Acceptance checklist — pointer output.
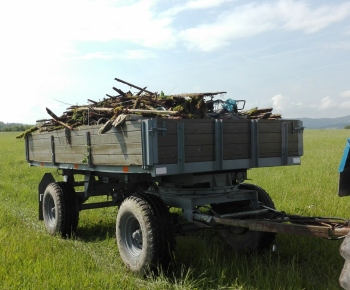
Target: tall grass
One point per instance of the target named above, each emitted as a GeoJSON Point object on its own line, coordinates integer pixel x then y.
{"type": "Point", "coordinates": [31, 259]}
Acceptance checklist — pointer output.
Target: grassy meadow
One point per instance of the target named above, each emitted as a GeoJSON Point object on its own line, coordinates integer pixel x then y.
{"type": "Point", "coordinates": [31, 259]}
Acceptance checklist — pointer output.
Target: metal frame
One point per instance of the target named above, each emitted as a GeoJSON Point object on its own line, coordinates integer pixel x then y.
{"type": "Point", "coordinates": [178, 184]}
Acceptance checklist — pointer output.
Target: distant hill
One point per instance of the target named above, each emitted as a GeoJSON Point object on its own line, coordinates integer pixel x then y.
{"type": "Point", "coordinates": [326, 123]}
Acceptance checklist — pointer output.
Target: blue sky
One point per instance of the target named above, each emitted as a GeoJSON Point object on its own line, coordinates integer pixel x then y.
{"type": "Point", "coordinates": [291, 55]}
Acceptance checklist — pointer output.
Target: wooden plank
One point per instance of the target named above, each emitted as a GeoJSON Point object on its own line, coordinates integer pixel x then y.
{"type": "Point", "coordinates": [276, 137]}
{"type": "Point", "coordinates": [275, 150]}
{"type": "Point", "coordinates": [123, 149]}
{"type": "Point", "coordinates": [125, 138]}
{"type": "Point", "coordinates": [129, 126]}
{"type": "Point", "coordinates": [234, 139]}
{"type": "Point", "coordinates": [269, 127]}
{"type": "Point", "coordinates": [275, 154]}
{"type": "Point", "coordinates": [203, 150]}
{"type": "Point", "coordinates": [132, 149]}
{"type": "Point", "coordinates": [236, 156]}
{"type": "Point", "coordinates": [40, 157]}
{"type": "Point", "coordinates": [167, 140]}
{"type": "Point", "coordinates": [116, 160]}
{"type": "Point", "coordinates": [200, 127]}
{"type": "Point", "coordinates": [167, 160]}
{"type": "Point", "coordinates": [198, 159]}
{"type": "Point", "coordinates": [199, 139]}
{"type": "Point", "coordinates": [270, 147]}
{"type": "Point", "coordinates": [236, 126]}
{"type": "Point", "coordinates": [239, 151]}
{"type": "Point", "coordinates": [190, 140]}
{"type": "Point", "coordinates": [168, 152]}
{"type": "Point", "coordinates": [274, 126]}
{"type": "Point", "coordinates": [270, 138]}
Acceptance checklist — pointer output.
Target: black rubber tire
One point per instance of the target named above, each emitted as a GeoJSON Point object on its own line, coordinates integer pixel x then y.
{"type": "Point", "coordinates": [72, 206]}
{"type": "Point", "coordinates": [137, 233]}
{"type": "Point", "coordinates": [166, 229]}
{"type": "Point", "coordinates": [60, 209]}
{"type": "Point", "coordinates": [241, 239]}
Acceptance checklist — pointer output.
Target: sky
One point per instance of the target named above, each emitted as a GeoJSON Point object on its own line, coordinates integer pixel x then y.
{"type": "Point", "coordinates": [290, 55]}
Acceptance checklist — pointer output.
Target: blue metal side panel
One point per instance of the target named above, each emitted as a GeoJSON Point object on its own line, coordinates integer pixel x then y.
{"type": "Point", "coordinates": [344, 172]}
{"type": "Point", "coordinates": [344, 161]}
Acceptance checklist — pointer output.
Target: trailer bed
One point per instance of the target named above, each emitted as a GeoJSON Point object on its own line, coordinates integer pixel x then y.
{"type": "Point", "coordinates": [170, 146]}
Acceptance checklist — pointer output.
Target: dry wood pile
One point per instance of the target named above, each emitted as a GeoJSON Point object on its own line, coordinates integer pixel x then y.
{"type": "Point", "coordinates": [110, 110]}
{"type": "Point", "coordinates": [257, 113]}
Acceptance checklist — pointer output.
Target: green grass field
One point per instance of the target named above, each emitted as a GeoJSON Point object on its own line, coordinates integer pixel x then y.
{"type": "Point", "coordinates": [31, 259]}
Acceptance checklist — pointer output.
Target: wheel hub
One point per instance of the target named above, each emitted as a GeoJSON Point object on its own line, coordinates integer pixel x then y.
{"type": "Point", "coordinates": [137, 236]}
{"type": "Point", "coordinates": [53, 212]}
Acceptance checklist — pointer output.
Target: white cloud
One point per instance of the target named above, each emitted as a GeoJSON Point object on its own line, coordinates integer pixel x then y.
{"type": "Point", "coordinates": [97, 55]}
{"type": "Point", "coordinates": [298, 15]}
{"type": "Point", "coordinates": [132, 54]}
{"type": "Point", "coordinates": [345, 105]}
{"type": "Point", "coordinates": [51, 26]}
{"type": "Point", "coordinates": [243, 21]}
{"type": "Point", "coordinates": [81, 20]}
{"type": "Point", "coordinates": [342, 45]}
{"type": "Point", "coordinates": [280, 102]}
{"type": "Point", "coordinates": [347, 30]}
{"type": "Point", "coordinates": [327, 103]}
{"type": "Point", "coordinates": [345, 94]}
{"type": "Point", "coordinates": [137, 54]}
{"type": "Point", "coordinates": [195, 5]}
{"type": "Point", "coordinates": [256, 18]}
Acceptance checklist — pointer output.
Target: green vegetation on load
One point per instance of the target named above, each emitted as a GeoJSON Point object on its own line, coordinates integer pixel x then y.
{"type": "Point", "coordinates": [31, 259]}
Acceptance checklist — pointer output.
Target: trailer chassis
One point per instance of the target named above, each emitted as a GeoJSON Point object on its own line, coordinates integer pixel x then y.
{"type": "Point", "coordinates": [194, 202]}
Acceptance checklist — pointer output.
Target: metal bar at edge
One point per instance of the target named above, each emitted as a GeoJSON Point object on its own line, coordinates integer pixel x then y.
{"type": "Point", "coordinates": [26, 139]}
{"type": "Point", "coordinates": [53, 156]}
{"type": "Point", "coordinates": [284, 149]}
{"type": "Point", "coordinates": [181, 146]}
{"type": "Point", "coordinates": [218, 131]}
{"type": "Point", "coordinates": [254, 139]}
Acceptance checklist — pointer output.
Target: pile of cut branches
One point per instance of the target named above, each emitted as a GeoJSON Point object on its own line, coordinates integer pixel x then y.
{"type": "Point", "coordinates": [265, 113]}
{"type": "Point", "coordinates": [143, 102]}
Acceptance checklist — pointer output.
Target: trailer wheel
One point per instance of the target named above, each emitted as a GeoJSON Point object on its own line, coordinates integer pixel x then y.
{"type": "Point", "coordinates": [60, 209]}
{"type": "Point", "coordinates": [242, 239]}
{"type": "Point", "coordinates": [138, 237]}
{"type": "Point", "coordinates": [166, 229]}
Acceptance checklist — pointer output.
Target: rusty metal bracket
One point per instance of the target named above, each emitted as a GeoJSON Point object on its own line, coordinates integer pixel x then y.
{"type": "Point", "coordinates": [67, 134]}
{"type": "Point", "coordinates": [88, 149]}
{"type": "Point", "coordinates": [297, 129]}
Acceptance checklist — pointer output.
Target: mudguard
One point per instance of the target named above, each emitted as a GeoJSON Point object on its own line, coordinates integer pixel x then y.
{"type": "Point", "coordinates": [344, 172]}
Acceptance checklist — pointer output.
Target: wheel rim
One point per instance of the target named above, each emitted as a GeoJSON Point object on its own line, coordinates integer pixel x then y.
{"type": "Point", "coordinates": [132, 235]}
{"type": "Point", "coordinates": [50, 210]}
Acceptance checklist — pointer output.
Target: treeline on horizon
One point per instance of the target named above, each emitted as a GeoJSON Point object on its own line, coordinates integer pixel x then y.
{"type": "Point", "coordinates": [14, 127]}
